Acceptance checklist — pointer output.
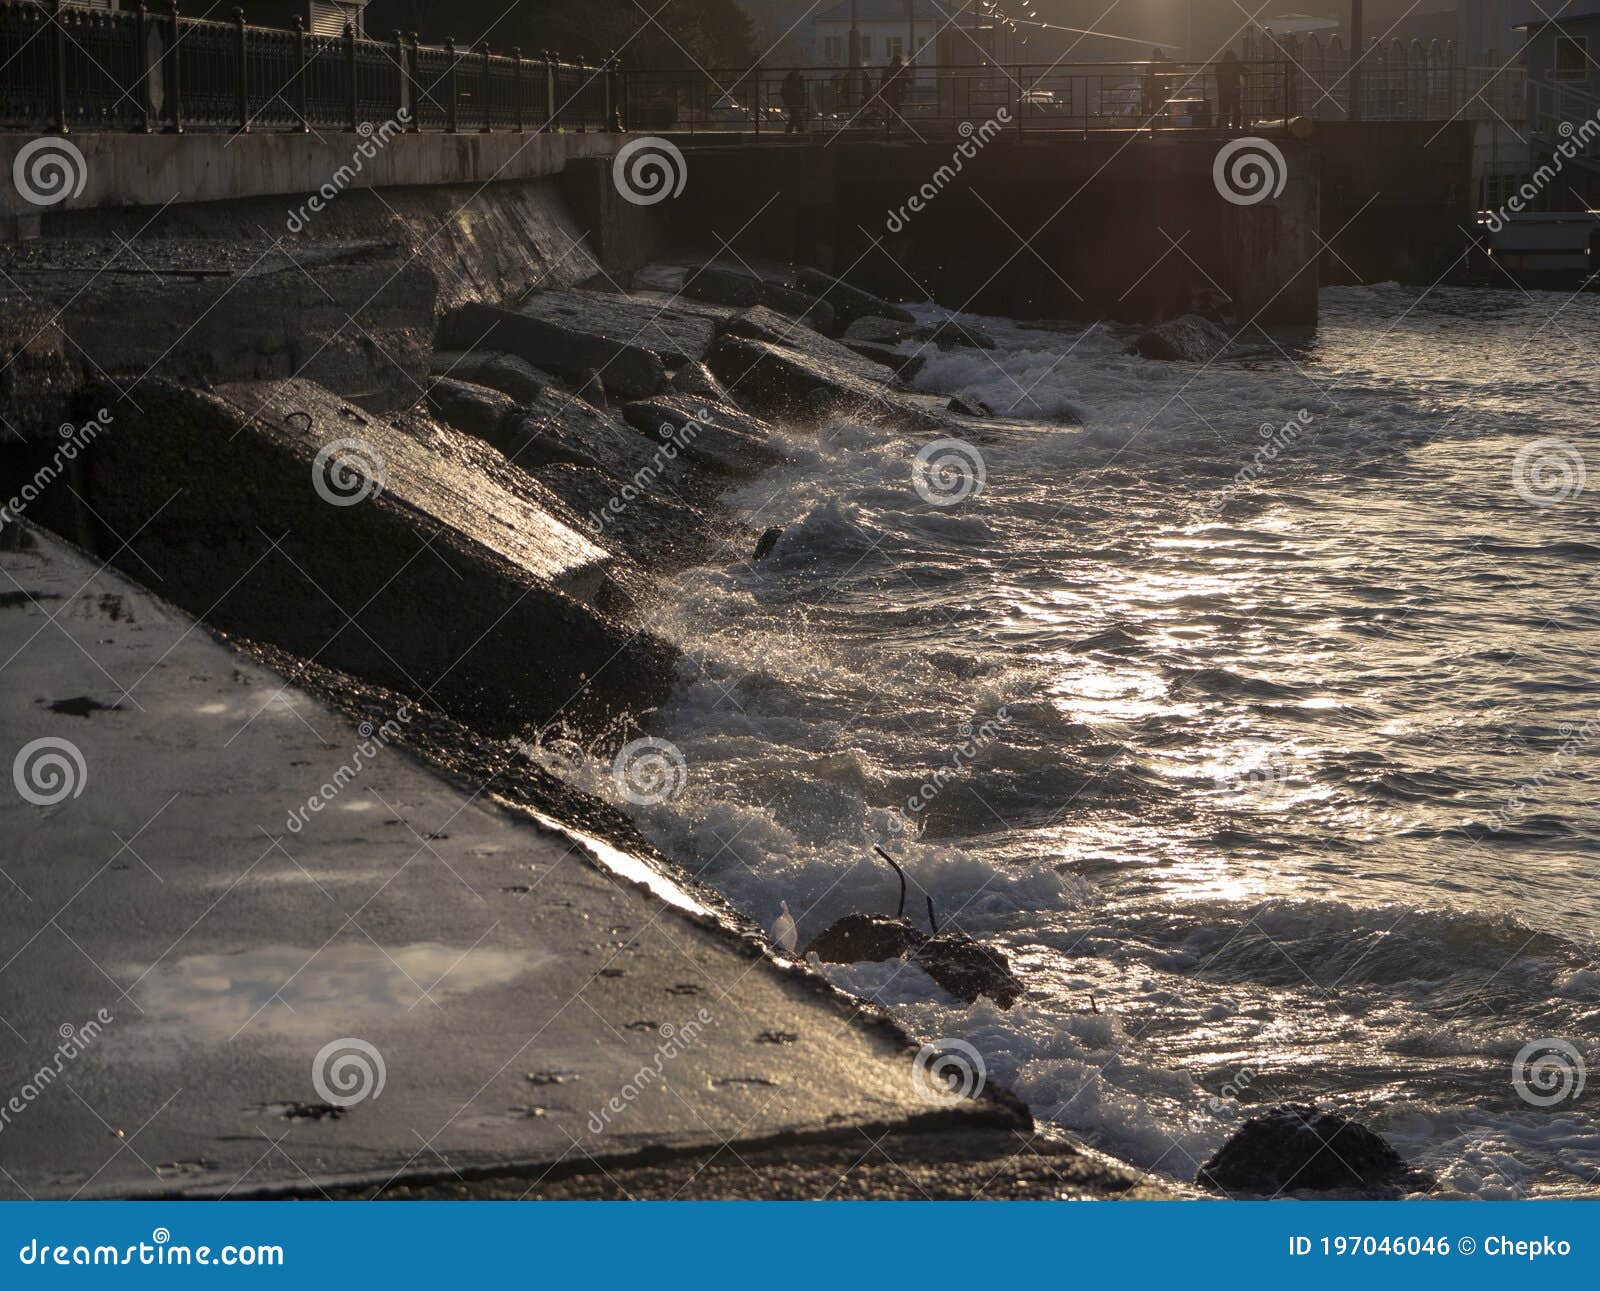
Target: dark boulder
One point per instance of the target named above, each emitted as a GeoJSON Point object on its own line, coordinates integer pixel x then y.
{"type": "Point", "coordinates": [474, 409]}
{"type": "Point", "coordinates": [849, 303]}
{"type": "Point", "coordinates": [722, 287]}
{"type": "Point", "coordinates": [650, 525]}
{"type": "Point", "coordinates": [1191, 339]}
{"type": "Point", "coordinates": [503, 372]}
{"type": "Point", "coordinates": [967, 969]}
{"type": "Point", "coordinates": [879, 331]}
{"type": "Point", "coordinates": [967, 406]}
{"type": "Point", "coordinates": [779, 381]}
{"type": "Point", "coordinates": [630, 371]}
{"type": "Point", "coordinates": [767, 541]}
{"type": "Point", "coordinates": [814, 313]}
{"type": "Point", "coordinates": [696, 379]}
{"type": "Point", "coordinates": [710, 434]}
{"type": "Point", "coordinates": [677, 335]}
{"type": "Point", "coordinates": [1295, 1148]}
{"type": "Point", "coordinates": [906, 366]}
{"type": "Point", "coordinates": [557, 427]}
{"type": "Point", "coordinates": [859, 938]}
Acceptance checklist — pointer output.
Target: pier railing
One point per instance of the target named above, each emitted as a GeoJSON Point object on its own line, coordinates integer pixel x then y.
{"type": "Point", "coordinates": [69, 67]}
{"type": "Point", "coordinates": [940, 100]}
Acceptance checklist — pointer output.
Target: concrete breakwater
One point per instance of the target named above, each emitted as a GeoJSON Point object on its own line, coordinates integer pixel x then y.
{"type": "Point", "coordinates": [411, 497]}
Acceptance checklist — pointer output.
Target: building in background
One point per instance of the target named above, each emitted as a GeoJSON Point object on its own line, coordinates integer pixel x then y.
{"type": "Point", "coordinates": [321, 17]}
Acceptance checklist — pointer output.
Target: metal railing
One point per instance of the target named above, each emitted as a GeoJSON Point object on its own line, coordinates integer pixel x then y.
{"type": "Point", "coordinates": [67, 67]}
{"type": "Point", "coordinates": [1391, 81]}
{"type": "Point", "coordinates": [927, 101]}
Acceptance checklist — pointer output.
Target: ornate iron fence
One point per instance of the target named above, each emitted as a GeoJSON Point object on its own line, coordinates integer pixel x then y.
{"type": "Point", "coordinates": [67, 67]}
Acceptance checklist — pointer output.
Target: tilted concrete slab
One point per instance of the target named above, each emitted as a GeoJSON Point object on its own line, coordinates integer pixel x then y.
{"type": "Point", "coordinates": [523, 1003]}
{"type": "Point", "coordinates": [394, 549]}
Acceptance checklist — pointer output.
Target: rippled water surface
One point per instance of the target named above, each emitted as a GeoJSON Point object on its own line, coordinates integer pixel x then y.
{"type": "Point", "coordinates": [1292, 769]}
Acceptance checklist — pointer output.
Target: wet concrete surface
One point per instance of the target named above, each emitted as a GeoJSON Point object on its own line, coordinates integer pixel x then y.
{"type": "Point", "coordinates": [248, 945]}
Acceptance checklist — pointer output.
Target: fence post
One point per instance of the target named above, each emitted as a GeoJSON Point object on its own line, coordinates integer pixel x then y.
{"type": "Point", "coordinates": [143, 29]}
{"type": "Point", "coordinates": [402, 98]}
{"type": "Point", "coordinates": [1017, 81]}
{"type": "Point", "coordinates": [243, 69]}
{"type": "Point", "coordinates": [755, 94]}
{"type": "Point", "coordinates": [550, 90]}
{"type": "Point", "coordinates": [175, 63]}
{"type": "Point", "coordinates": [58, 67]}
{"type": "Point", "coordinates": [350, 72]}
{"type": "Point", "coordinates": [610, 109]}
{"type": "Point", "coordinates": [451, 121]}
{"type": "Point", "coordinates": [302, 95]}
{"type": "Point", "coordinates": [619, 114]}
{"type": "Point", "coordinates": [488, 120]}
{"type": "Point", "coordinates": [516, 86]}
{"type": "Point", "coordinates": [416, 79]}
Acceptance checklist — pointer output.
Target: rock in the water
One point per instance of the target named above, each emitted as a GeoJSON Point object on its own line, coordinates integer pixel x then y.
{"type": "Point", "coordinates": [879, 331]}
{"type": "Point", "coordinates": [649, 525]}
{"type": "Point", "coordinates": [967, 406]}
{"type": "Point", "coordinates": [779, 381]}
{"type": "Point", "coordinates": [767, 541]}
{"type": "Point", "coordinates": [906, 366]}
{"type": "Point", "coordinates": [1295, 1148]}
{"type": "Point", "coordinates": [814, 313]}
{"type": "Point", "coordinates": [865, 937]}
{"type": "Point", "coordinates": [708, 433]}
{"type": "Point", "coordinates": [722, 286]}
{"type": "Point", "coordinates": [953, 333]}
{"type": "Point", "coordinates": [503, 372]}
{"type": "Point", "coordinates": [556, 427]}
{"type": "Point", "coordinates": [849, 303]}
{"type": "Point", "coordinates": [696, 379]}
{"type": "Point", "coordinates": [1190, 338]}
{"type": "Point", "coordinates": [630, 371]}
{"type": "Point", "coordinates": [967, 968]}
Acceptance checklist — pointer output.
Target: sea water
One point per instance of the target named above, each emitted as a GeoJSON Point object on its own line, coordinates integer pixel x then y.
{"type": "Point", "coordinates": [1249, 707]}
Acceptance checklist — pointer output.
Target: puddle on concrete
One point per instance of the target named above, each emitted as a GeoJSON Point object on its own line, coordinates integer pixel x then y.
{"type": "Point", "coordinates": [301, 991]}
